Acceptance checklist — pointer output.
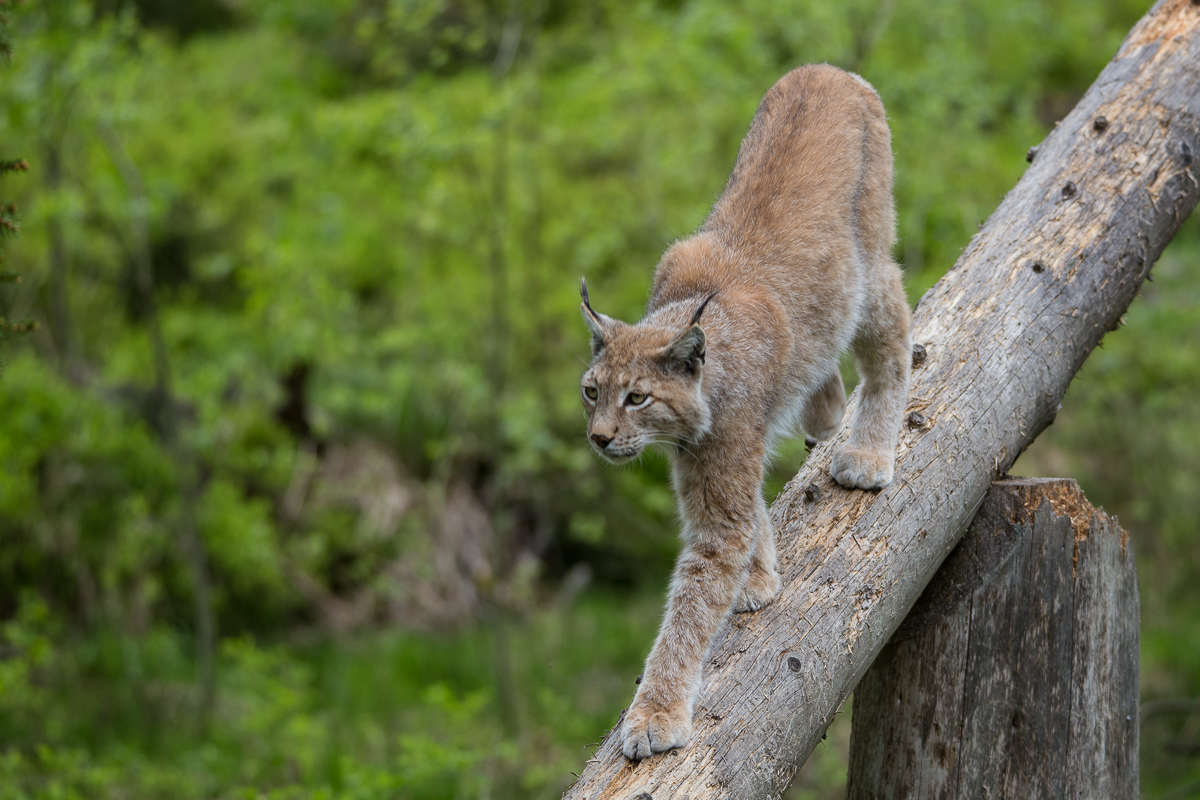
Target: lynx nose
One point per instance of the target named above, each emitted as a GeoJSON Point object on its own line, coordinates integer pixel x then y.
{"type": "Point", "coordinates": [601, 440]}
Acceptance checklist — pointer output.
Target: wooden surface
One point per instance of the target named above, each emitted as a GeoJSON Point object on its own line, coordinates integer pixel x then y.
{"type": "Point", "coordinates": [1005, 330]}
{"type": "Point", "coordinates": [1016, 674]}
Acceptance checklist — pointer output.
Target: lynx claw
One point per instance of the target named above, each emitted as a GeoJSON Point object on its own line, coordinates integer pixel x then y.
{"type": "Point", "coordinates": [861, 469]}
{"type": "Point", "coordinates": [646, 731]}
{"type": "Point", "coordinates": [761, 588]}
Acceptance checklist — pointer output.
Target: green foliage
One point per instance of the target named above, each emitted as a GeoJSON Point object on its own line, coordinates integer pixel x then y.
{"type": "Point", "coordinates": [397, 715]}
{"type": "Point", "coordinates": [365, 222]}
{"type": "Point", "coordinates": [8, 210]}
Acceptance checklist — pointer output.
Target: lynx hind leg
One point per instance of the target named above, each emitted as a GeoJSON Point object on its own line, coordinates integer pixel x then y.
{"type": "Point", "coordinates": [823, 411]}
{"type": "Point", "coordinates": [883, 353]}
{"type": "Point", "coordinates": [762, 577]}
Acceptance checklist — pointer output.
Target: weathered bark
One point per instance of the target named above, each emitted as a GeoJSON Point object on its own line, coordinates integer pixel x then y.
{"type": "Point", "coordinates": [1016, 673]}
{"type": "Point", "coordinates": [1005, 330]}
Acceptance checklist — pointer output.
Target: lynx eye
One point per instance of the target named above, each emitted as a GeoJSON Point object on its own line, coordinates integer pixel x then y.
{"type": "Point", "coordinates": [590, 392]}
{"type": "Point", "coordinates": [635, 398]}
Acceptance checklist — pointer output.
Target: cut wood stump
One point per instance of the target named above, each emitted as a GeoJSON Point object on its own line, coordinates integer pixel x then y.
{"type": "Point", "coordinates": [1016, 673]}
{"type": "Point", "coordinates": [1002, 335]}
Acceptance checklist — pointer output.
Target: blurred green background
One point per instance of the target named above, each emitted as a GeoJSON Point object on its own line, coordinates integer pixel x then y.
{"type": "Point", "coordinates": [294, 495]}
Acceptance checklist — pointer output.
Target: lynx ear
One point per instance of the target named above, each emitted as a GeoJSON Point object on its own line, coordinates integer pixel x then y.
{"type": "Point", "coordinates": [688, 349]}
{"type": "Point", "coordinates": [597, 323]}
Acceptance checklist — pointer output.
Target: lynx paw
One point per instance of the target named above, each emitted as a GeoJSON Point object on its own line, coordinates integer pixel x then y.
{"type": "Point", "coordinates": [861, 469]}
{"type": "Point", "coordinates": [647, 731]}
{"type": "Point", "coordinates": [758, 592]}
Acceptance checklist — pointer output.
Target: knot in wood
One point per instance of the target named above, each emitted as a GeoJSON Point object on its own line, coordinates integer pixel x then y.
{"type": "Point", "coordinates": [919, 355]}
{"type": "Point", "coordinates": [812, 493]}
{"type": "Point", "coordinates": [793, 663]}
{"type": "Point", "coordinates": [1030, 154]}
{"type": "Point", "coordinates": [1100, 124]}
{"type": "Point", "coordinates": [915, 420]}
{"type": "Point", "coordinates": [1069, 190]}
{"type": "Point", "coordinates": [643, 796]}
{"type": "Point", "coordinates": [1037, 266]}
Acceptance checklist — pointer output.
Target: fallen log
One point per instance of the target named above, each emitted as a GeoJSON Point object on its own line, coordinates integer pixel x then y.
{"type": "Point", "coordinates": [998, 340]}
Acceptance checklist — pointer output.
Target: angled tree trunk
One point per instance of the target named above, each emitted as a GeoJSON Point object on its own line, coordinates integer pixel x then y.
{"type": "Point", "coordinates": [1000, 337]}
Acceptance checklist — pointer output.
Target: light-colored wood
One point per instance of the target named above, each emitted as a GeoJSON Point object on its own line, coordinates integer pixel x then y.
{"type": "Point", "coordinates": [1005, 330]}
{"type": "Point", "coordinates": [1016, 673]}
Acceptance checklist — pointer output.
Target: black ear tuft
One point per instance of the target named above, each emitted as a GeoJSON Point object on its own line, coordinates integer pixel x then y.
{"type": "Point", "coordinates": [598, 324]}
{"type": "Point", "coordinates": [699, 311]}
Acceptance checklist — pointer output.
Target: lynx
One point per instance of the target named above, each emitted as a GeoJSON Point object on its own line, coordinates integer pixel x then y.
{"type": "Point", "coordinates": [740, 343]}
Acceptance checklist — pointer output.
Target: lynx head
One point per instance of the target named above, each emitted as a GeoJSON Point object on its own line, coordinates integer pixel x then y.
{"type": "Point", "coordinates": [643, 386]}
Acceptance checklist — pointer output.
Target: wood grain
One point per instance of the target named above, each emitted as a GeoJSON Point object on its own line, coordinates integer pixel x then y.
{"type": "Point", "coordinates": [1005, 330]}
{"type": "Point", "coordinates": [1016, 675]}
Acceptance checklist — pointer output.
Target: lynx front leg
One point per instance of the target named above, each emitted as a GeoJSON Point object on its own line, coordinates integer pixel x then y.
{"type": "Point", "coordinates": [762, 578]}
{"type": "Point", "coordinates": [702, 589]}
{"type": "Point", "coordinates": [881, 347]}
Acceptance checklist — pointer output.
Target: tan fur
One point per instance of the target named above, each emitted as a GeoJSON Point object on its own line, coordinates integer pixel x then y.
{"type": "Point", "coordinates": [797, 253]}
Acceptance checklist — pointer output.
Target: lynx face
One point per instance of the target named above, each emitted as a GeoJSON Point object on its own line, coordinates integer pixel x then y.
{"type": "Point", "coordinates": [643, 386]}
